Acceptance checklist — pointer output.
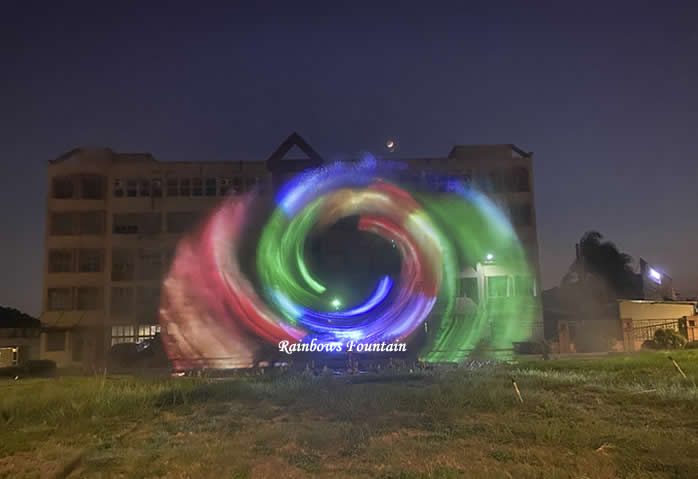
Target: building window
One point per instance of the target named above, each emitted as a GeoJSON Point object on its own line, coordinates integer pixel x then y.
{"type": "Point", "coordinates": [150, 223]}
{"type": "Point", "coordinates": [62, 224]}
{"type": "Point", "coordinates": [440, 184]}
{"type": "Point", "coordinates": [157, 188]}
{"type": "Point", "coordinates": [210, 187]}
{"type": "Point", "coordinates": [123, 265]}
{"type": "Point", "coordinates": [137, 223]}
{"type": "Point", "coordinates": [468, 289]}
{"type": "Point", "coordinates": [496, 286]}
{"type": "Point", "coordinates": [127, 333]}
{"type": "Point", "coordinates": [60, 261]}
{"type": "Point", "coordinates": [181, 221]}
{"type": "Point", "coordinates": [521, 180]}
{"type": "Point", "coordinates": [524, 286]}
{"type": "Point", "coordinates": [60, 299]}
{"type": "Point", "coordinates": [78, 346]}
{"type": "Point", "coordinates": [92, 187]}
{"type": "Point", "coordinates": [131, 188]}
{"type": "Point", "coordinates": [496, 182]}
{"type": "Point", "coordinates": [118, 188]}
{"type": "Point", "coordinates": [150, 265]}
{"type": "Point", "coordinates": [55, 341]}
{"type": "Point", "coordinates": [89, 299]}
{"type": "Point", "coordinates": [419, 179]}
{"type": "Point", "coordinates": [196, 187]}
{"type": "Point", "coordinates": [122, 334]}
{"type": "Point", "coordinates": [433, 182]}
{"type": "Point", "coordinates": [144, 187]}
{"type": "Point", "coordinates": [125, 224]}
{"type": "Point", "coordinates": [147, 331]}
{"type": "Point", "coordinates": [225, 186]}
{"type": "Point", "coordinates": [63, 188]}
{"type": "Point", "coordinates": [122, 300]}
{"type": "Point", "coordinates": [169, 256]}
{"type": "Point", "coordinates": [184, 187]}
{"type": "Point", "coordinates": [261, 184]}
{"type": "Point", "coordinates": [521, 214]}
{"type": "Point", "coordinates": [90, 260]}
{"type": "Point", "coordinates": [91, 223]}
{"type": "Point", "coordinates": [172, 187]}
{"type": "Point", "coordinates": [149, 302]}
{"type": "Point", "coordinates": [237, 185]}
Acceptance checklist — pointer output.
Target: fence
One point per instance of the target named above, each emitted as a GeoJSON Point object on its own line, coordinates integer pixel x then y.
{"type": "Point", "coordinates": [648, 327]}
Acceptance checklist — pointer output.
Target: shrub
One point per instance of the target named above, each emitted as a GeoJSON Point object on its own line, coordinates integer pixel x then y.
{"type": "Point", "coordinates": [123, 355]}
{"type": "Point", "coordinates": [39, 367]}
{"type": "Point", "coordinates": [529, 347]}
{"type": "Point", "coordinates": [691, 345]}
{"type": "Point", "coordinates": [669, 339]}
{"type": "Point", "coordinates": [35, 367]}
{"type": "Point", "coordinates": [10, 371]}
{"type": "Point", "coordinates": [481, 350]}
{"type": "Point", "coordinates": [650, 344]}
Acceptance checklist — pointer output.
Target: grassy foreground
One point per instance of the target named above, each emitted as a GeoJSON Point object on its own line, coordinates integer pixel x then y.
{"type": "Point", "coordinates": [631, 416]}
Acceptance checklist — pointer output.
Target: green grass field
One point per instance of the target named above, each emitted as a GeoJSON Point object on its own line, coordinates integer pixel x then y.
{"type": "Point", "coordinates": [629, 416]}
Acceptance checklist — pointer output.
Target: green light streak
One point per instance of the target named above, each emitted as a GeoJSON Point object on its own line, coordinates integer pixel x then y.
{"type": "Point", "coordinates": [467, 233]}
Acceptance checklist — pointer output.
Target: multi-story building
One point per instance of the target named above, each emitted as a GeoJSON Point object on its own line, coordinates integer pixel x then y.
{"type": "Point", "coordinates": [113, 222]}
{"type": "Point", "coordinates": [504, 174]}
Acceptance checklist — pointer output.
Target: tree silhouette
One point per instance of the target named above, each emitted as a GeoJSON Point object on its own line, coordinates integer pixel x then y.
{"type": "Point", "coordinates": [13, 318]}
{"type": "Point", "coordinates": [602, 268]}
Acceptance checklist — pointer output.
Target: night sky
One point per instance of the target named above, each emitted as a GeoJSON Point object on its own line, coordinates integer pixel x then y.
{"type": "Point", "coordinates": [605, 95]}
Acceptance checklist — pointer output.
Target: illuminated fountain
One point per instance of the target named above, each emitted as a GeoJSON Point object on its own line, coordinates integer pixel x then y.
{"type": "Point", "coordinates": [228, 305]}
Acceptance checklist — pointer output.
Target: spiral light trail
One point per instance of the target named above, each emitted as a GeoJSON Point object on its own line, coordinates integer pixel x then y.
{"type": "Point", "coordinates": [215, 314]}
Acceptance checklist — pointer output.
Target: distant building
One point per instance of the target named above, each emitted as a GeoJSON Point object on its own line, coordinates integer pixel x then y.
{"type": "Point", "coordinates": [18, 345]}
{"type": "Point", "coordinates": [655, 284]}
{"type": "Point", "coordinates": [113, 221]}
{"type": "Point", "coordinates": [581, 320]}
{"type": "Point", "coordinates": [640, 319]}
{"type": "Point", "coordinates": [19, 337]}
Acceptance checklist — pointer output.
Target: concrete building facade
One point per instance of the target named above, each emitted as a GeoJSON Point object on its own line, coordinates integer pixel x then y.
{"type": "Point", "coordinates": [505, 174]}
{"type": "Point", "coordinates": [113, 221]}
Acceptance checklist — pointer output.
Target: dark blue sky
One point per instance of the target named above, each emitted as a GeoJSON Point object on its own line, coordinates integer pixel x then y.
{"type": "Point", "coordinates": [605, 95]}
